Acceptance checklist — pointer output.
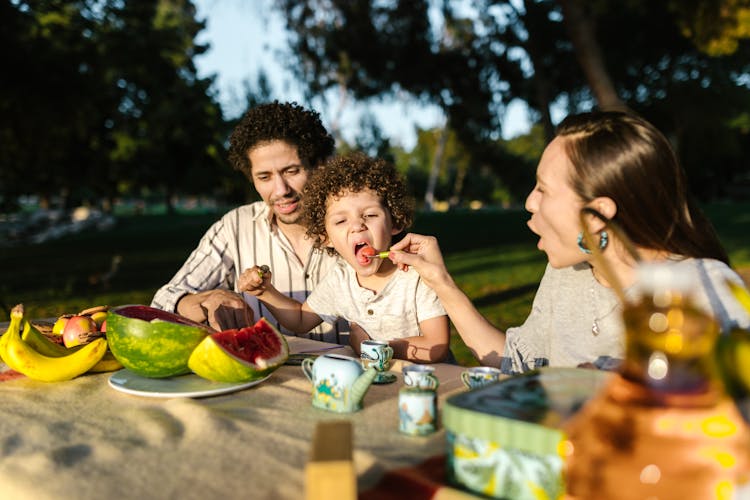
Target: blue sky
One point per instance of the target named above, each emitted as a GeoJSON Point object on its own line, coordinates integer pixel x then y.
{"type": "Point", "coordinates": [247, 35]}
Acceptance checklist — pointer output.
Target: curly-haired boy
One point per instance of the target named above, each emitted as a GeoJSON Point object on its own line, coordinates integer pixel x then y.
{"type": "Point", "coordinates": [353, 206]}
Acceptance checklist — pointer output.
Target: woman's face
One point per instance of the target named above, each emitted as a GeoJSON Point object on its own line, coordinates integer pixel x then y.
{"type": "Point", "coordinates": [554, 208]}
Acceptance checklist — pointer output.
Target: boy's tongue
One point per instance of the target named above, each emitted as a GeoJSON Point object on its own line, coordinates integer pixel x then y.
{"type": "Point", "coordinates": [364, 253]}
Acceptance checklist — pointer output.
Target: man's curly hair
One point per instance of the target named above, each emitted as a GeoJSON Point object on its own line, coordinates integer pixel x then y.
{"type": "Point", "coordinates": [354, 173]}
{"type": "Point", "coordinates": [277, 121]}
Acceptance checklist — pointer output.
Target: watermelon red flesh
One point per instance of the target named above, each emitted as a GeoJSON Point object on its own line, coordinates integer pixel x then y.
{"type": "Point", "coordinates": [255, 344]}
{"type": "Point", "coordinates": [240, 355]}
{"type": "Point", "coordinates": [365, 254]}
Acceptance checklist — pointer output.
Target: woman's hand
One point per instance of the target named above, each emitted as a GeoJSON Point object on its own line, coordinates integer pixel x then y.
{"type": "Point", "coordinates": [254, 280]}
{"type": "Point", "coordinates": [424, 255]}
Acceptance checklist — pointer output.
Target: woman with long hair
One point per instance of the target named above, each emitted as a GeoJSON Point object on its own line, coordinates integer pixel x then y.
{"type": "Point", "coordinates": [622, 169]}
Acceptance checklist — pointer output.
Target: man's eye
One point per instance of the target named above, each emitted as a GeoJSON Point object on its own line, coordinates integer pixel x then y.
{"type": "Point", "coordinates": [292, 171]}
{"type": "Point", "coordinates": [262, 178]}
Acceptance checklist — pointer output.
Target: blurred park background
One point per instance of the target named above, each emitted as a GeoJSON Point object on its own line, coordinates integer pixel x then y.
{"type": "Point", "coordinates": [113, 151]}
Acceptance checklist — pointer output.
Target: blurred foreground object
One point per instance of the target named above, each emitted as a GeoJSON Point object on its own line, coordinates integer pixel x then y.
{"type": "Point", "coordinates": [665, 426]}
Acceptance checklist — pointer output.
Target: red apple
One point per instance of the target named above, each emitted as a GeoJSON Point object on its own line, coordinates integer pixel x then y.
{"type": "Point", "coordinates": [76, 329]}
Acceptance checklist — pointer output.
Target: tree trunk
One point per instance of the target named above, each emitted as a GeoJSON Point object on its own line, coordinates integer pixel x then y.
{"type": "Point", "coordinates": [437, 162]}
{"type": "Point", "coordinates": [541, 82]}
{"type": "Point", "coordinates": [458, 186]}
{"type": "Point", "coordinates": [582, 34]}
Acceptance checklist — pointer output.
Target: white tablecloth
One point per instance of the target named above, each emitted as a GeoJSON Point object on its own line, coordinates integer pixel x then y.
{"type": "Point", "coordinates": [82, 439]}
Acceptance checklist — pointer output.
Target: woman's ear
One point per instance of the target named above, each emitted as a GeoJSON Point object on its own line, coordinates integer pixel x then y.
{"type": "Point", "coordinates": [605, 206]}
{"type": "Point", "coordinates": [396, 230]}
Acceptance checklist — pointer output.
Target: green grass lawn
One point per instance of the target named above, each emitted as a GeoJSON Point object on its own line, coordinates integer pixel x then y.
{"type": "Point", "coordinates": [491, 254]}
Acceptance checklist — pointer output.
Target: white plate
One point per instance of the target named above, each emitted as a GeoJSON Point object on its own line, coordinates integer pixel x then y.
{"type": "Point", "coordinates": [184, 386]}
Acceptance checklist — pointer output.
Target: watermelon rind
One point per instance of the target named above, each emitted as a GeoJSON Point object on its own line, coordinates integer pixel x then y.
{"type": "Point", "coordinates": [211, 361]}
{"type": "Point", "coordinates": [154, 348]}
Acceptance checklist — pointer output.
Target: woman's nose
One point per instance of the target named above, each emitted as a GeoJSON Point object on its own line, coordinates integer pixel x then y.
{"type": "Point", "coordinates": [531, 202]}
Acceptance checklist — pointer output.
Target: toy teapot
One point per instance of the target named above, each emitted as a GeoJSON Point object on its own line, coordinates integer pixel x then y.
{"type": "Point", "coordinates": [339, 382]}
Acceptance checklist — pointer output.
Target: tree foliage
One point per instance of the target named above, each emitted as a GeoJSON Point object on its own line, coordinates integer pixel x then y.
{"type": "Point", "coordinates": [683, 65]}
{"type": "Point", "coordinates": [100, 98]}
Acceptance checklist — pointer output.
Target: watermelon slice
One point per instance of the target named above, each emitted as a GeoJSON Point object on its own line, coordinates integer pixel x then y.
{"type": "Point", "coordinates": [240, 355]}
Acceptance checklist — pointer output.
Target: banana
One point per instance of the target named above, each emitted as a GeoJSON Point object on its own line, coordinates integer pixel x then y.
{"type": "Point", "coordinates": [23, 358]}
{"type": "Point", "coordinates": [16, 316]}
{"type": "Point", "coordinates": [107, 364]}
{"type": "Point", "coordinates": [36, 339]}
{"type": "Point", "coordinates": [93, 310]}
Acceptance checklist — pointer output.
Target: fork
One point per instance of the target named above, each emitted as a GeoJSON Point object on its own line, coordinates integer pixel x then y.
{"type": "Point", "coordinates": [379, 255]}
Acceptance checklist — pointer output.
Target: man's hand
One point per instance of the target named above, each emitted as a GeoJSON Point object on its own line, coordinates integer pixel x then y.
{"type": "Point", "coordinates": [222, 309]}
{"type": "Point", "coordinates": [254, 280]}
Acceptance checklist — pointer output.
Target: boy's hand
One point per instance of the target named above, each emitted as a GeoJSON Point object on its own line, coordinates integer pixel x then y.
{"type": "Point", "coordinates": [356, 335]}
{"type": "Point", "coordinates": [255, 280]}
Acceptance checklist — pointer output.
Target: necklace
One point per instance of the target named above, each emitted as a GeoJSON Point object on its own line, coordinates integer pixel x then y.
{"type": "Point", "coordinates": [595, 330]}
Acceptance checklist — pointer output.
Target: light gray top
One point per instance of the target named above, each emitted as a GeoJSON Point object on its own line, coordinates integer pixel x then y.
{"type": "Point", "coordinates": [393, 313]}
{"type": "Point", "coordinates": [574, 319]}
{"type": "Point", "coordinates": [244, 237]}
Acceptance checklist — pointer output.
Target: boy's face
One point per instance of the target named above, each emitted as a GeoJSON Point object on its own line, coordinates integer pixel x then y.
{"type": "Point", "coordinates": [355, 221]}
{"type": "Point", "coordinates": [279, 177]}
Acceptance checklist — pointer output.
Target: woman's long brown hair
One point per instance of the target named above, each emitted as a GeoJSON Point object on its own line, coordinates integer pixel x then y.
{"type": "Point", "coordinates": [623, 157]}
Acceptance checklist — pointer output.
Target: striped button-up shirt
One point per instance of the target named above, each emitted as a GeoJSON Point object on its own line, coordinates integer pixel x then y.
{"type": "Point", "coordinates": [242, 238]}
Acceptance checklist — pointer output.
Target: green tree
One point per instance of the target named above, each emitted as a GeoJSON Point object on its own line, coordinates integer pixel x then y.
{"type": "Point", "coordinates": [102, 99]}
{"type": "Point", "coordinates": [665, 60]}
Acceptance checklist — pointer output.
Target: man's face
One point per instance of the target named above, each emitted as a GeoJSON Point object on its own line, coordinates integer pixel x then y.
{"type": "Point", "coordinates": [279, 176]}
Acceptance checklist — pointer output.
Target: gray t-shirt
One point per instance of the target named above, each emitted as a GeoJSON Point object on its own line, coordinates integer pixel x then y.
{"type": "Point", "coordinates": [574, 319]}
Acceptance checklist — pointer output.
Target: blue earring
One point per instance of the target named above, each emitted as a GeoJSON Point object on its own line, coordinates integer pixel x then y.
{"type": "Point", "coordinates": [603, 242]}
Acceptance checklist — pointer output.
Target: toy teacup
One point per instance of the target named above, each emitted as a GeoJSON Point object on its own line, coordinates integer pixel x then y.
{"type": "Point", "coordinates": [479, 376]}
{"type": "Point", "coordinates": [420, 376]}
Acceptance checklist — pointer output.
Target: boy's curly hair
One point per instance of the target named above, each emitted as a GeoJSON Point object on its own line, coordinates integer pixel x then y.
{"type": "Point", "coordinates": [286, 122]}
{"type": "Point", "coordinates": [353, 173]}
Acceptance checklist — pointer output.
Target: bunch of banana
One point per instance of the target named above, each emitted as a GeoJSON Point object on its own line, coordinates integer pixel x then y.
{"type": "Point", "coordinates": [26, 350]}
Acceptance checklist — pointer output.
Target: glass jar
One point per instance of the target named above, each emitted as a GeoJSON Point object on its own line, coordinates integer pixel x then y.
{"type": "Point", "coordinates": [664, 426]}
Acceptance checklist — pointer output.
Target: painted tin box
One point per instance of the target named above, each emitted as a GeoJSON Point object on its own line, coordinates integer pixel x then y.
{"type": "Point", "coordinates": [503, 440]}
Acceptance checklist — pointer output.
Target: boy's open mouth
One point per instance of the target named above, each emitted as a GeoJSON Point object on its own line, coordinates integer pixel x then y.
{"type": "Point", "coordinates": [363, 253]}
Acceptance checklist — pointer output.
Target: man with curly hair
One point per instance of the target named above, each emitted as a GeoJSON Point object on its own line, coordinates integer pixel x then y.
{"type": "Point", "coordinates": [353, 206]}
{"type": "Point", "coordinates": [276, 146]}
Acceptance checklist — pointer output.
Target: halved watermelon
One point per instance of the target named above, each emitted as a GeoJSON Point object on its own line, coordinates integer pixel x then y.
{"type": "Point", "coordinates": [151, 342]}
{"type": "Point", "coordinates": [240, 355]}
